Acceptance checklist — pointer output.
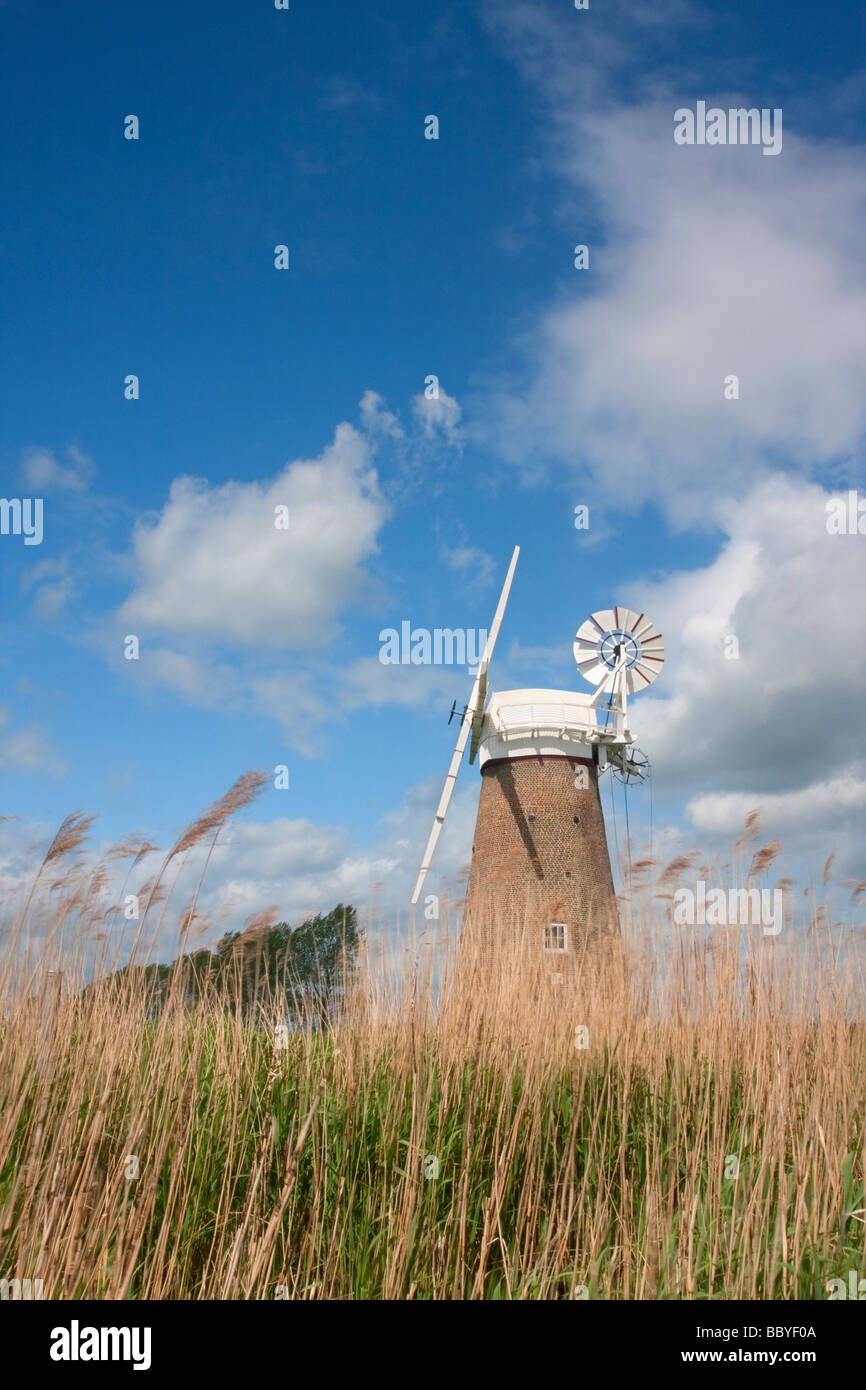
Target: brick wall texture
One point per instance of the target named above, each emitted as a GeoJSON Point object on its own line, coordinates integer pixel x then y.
{"type": "Point", "coordinates": [540, 854]}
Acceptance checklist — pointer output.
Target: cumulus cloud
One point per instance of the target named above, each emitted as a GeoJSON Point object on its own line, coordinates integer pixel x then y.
{"type": "Point", "coordinates": [715, 261]}
{"type": "Point", "coordinates": [707, 263]}
{"type": "Point", "coordinates": [296, 867]}
{"type": "Point", "coordinates": [833, 801]}
{"type": "Point", "coordinates": [221, 595]}
{"type": "Point", "coordinates": [304, 868]}
{"type": "Point", "coordinates": [760, 700]}
{"type": "Point", "coordinates": [300, 867]}
{"type": "Point", "coordinates": [215, 564]}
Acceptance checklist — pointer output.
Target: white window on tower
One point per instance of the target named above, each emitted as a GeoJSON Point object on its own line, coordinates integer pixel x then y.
{"type": "Point", "coordinates": [556, 937]}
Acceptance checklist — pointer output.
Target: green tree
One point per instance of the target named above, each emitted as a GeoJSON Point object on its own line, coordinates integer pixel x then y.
{"type": "Point", "coordinates": [322, 956]}
{"type": "Point", "coordinates": [309, 966]}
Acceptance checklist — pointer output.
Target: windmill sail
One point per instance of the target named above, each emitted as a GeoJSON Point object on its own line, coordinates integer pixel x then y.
{"type": "Point", "coordinates": [466, 725]}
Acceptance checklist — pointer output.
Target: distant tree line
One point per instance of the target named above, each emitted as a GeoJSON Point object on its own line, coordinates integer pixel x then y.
{"type": "Point", "coordinates": [306, 969]}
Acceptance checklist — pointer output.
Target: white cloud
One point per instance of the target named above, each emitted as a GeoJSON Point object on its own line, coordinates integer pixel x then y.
{"type": "Point", "coordinates": [471, 561]}
{"type": "Point", "coordinates": [714, 261]}
{"type": "Point", "coordinates": [43, 473]}
{"type": "Point", "coordinates": [708, 262]}
{"type": "Point", "coordinates": [213, 574]}
{"type": "Point", "coordinates": [199, 680]}
{"type": "Point", "coordinates": [303, 702]}
{"type": "Point", "coordinates": [295, 866]}
{"type": "Point", "coordinates": [19, 859]}
{"type": "Point", "coordinates": [785, 719]}
{"type": "Point", "coordinates": [439, 416]}
{"type": "Point", "coordinates": [298, 866]}
{"type": "Point", "coordinates": [302, 867]}
{"type": "Point", "coordinates": [27, 749]}
{"type": "Point", "coordinates": [214, 564]}
{"type": "Point", "coordinates": [298, 702]}
{"type": "Point", "coordinates": [369, 682]}
{"type": "Point", "coordinates": [832, 802]}
{"type": "Point", "coordinates": [54, 588]}
{"type": "Point", "coordinates": [51, 599]}
{"type": "Point", "coordinates": [376, 418]}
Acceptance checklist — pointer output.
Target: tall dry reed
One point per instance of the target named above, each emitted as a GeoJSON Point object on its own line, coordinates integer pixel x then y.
{"type": "Point", "coordinates": [680, 1115]}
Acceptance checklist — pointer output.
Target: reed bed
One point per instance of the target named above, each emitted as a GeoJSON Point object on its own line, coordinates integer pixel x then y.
{"type": "Point", "coordinates": [679, 1115]}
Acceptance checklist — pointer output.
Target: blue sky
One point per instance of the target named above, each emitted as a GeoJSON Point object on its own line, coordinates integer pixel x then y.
{"type": "Point", "coordinates": [409, 257]}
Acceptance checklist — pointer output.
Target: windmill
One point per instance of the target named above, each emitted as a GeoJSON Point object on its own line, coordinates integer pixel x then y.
{"type": "Point", "coordinates": [540, 859]}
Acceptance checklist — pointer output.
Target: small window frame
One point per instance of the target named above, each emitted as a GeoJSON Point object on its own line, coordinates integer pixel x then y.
{"type": "Point", "coordinates": [555, 932]}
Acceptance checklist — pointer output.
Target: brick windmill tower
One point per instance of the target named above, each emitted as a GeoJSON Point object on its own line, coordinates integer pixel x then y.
{"type": "Point", "coordinates": [540, 862]}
